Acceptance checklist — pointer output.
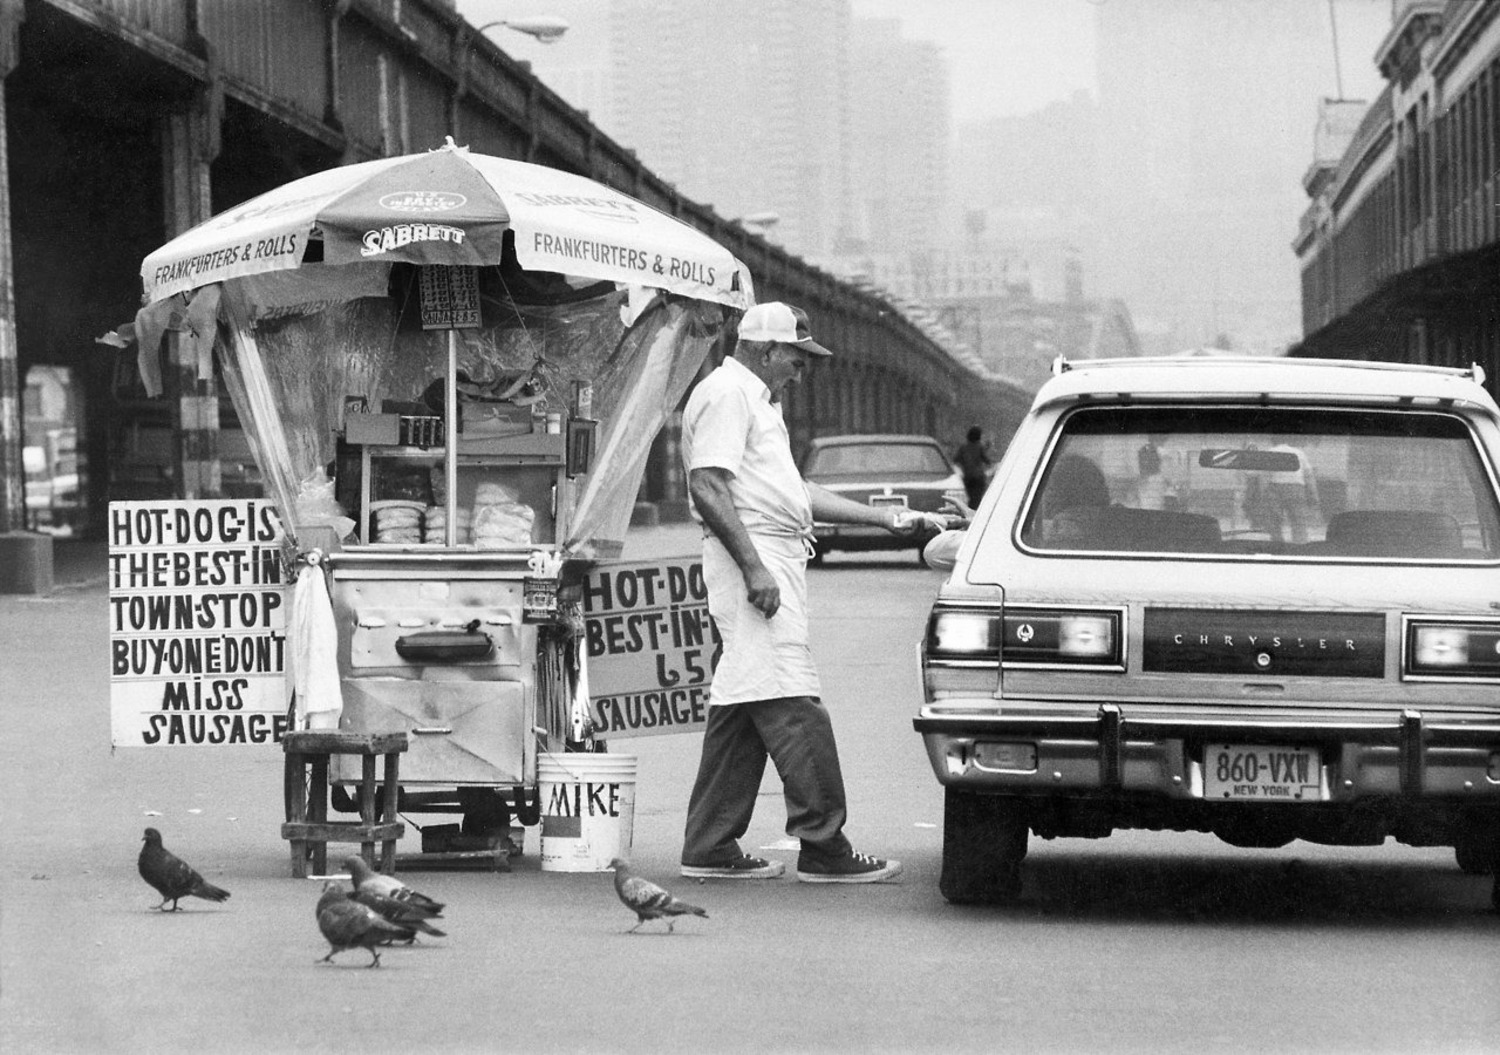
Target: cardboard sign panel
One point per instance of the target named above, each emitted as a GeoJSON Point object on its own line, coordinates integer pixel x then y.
{"type": "Point", "coordinates": [198, 605]}
{"type": "Point", "coordinates": [651, 647]}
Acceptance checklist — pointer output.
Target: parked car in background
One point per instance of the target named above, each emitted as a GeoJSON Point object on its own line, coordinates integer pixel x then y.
{"type": "Point", "coordinates": [54, 496]}
{"type": "Point", "coordinates": [907, 472]}
{"type": "Point", "coordinates": [1258, 598]}
{"type": "Point", "coordinates": [38, 482]}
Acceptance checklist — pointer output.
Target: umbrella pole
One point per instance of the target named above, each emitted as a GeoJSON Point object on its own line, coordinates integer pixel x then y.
{"type": "Point", "coordinates": [450, 440]}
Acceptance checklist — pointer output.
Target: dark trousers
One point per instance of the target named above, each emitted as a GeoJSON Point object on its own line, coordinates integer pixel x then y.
{"type": "Point", "coordinates": [796, 733]}
{"type": "Point", "coordinates": [974, 487]}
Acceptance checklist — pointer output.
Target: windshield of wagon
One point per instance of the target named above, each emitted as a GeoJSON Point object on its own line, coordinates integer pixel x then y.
{"type": "Point", "coordinates": [877, 459]}
{"type": "Point", "coordinates": [1405, 485]}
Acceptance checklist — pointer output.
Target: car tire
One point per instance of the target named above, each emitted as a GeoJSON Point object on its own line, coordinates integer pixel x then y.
{"type": "Point", "coordinates": [1476, 849]}
{"type": "Point", "coordinates": [984, 842]}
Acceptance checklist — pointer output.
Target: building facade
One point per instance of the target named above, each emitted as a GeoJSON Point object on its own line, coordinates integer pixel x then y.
{"type": "Point", "coordinates": [1399, 246]}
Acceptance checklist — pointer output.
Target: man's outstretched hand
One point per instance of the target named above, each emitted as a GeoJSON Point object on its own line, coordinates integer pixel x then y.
{"type": "Point", "coordinates": [909, 523]}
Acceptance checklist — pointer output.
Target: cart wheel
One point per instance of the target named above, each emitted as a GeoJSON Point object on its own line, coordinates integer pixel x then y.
{"type": "Point", "coordinates": [486, 812]}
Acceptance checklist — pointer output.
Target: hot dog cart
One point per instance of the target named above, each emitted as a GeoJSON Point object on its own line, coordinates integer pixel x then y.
{"type": "Point", "coordinates": [451, 369]}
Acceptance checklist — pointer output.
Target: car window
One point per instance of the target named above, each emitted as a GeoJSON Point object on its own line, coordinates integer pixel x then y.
{"type": "Point", "coordinates": [889, 459]}
{"type": "Point", "coordinates": [1237, 480]}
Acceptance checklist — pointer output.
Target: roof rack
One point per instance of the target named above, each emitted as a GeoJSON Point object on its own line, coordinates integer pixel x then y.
{"type": "Point", "coordinates": [1062, 364]}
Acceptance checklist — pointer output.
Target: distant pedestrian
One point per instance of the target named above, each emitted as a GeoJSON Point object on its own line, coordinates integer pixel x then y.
{"type": "Point", "coordinates": [974, 461]}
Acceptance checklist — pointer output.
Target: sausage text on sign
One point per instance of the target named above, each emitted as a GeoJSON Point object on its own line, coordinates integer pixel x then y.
{"type": "Point", "coordinates": [651, 647]}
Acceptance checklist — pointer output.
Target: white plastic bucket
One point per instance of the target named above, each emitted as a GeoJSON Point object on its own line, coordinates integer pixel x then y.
{"type": "Point", "coordinates": [588, 809]}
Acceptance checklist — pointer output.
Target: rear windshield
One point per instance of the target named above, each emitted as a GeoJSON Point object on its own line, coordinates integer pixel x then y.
{"type": "Point", "coordinates": [877, 459]}
{"type": "Point", "coordinates": [1227, 480]}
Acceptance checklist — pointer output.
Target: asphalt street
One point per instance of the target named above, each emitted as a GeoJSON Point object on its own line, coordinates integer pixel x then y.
{"type": "Point", "coordinates": [1147, 941]}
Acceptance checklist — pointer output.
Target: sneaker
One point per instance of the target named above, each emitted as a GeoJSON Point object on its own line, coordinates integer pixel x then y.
{"type": "Point", "coordinates": [856, 868]}
{"type": "Point", "coordinates": [742, 867]}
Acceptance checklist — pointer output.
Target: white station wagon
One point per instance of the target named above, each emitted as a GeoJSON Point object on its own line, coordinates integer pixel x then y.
{"type": "Point", "coordinates": [1253, 597]}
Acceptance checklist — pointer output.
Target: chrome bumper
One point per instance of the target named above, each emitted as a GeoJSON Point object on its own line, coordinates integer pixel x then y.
{"type": "Point", "coordinates": [1111, 749]}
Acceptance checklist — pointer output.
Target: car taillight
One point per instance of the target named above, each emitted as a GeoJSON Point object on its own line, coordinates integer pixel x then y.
{"type": "Point", "coordinates": [1062, 637]}
{"type": "Point", "coordinates": [1452, 650]}
{"type": "Point", "coordinates": [963, 634]}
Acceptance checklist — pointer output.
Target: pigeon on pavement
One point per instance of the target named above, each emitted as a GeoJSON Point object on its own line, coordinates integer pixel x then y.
{"type": "Point", "coordinates": [365, 879]}
{"type": "Point", "coordinates": [172, 877]}
{"type": "Point", "coordinates": [347, 924]}
{"type": "Point", "coordinates": [401, 913]}
{"type": "Point", "coordinates": [647, 900]}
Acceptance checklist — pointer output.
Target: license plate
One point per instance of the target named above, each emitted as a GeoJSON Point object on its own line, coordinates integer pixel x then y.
{"type": "Point", "coordinates": [888, 500]}
{"type": "Point", "coordinates": [1249, 773]}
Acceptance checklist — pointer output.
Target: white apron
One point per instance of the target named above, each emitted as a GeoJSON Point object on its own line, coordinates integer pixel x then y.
{"type": "Point", "coordinates": [763, 659]}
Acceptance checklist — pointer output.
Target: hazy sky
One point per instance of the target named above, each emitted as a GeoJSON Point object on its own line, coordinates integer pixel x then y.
{"type": "Point", "coordinates": [1015, 56]}
{"type": "Point", "coordinates": [1005, 56]}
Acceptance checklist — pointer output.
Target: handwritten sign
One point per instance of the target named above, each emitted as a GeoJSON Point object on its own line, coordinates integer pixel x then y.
{"type": "Point", "coordinates": [197, 623]}
{"type": "Point", "coordinates": [449, 297]}
{"type": "Point", "coordinates": [651, 647]}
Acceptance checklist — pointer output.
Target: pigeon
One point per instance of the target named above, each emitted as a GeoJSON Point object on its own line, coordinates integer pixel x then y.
{"type": "Point", "coordinates": [647, 900]}
{"type": "Point", "coordinates": [347, 924]}
{"type": "Point", "coordinates": [172, 877]}
{"type": "Point", "coordinates": [401, 913]}
{"type": "Point", "coordinates": [367, 880]}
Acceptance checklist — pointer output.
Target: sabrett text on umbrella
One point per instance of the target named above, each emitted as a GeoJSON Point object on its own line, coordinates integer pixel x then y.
{"type": "Point", "coordinates": [576, 199]}
{"type": "Point", "coordinates": [385, 239]}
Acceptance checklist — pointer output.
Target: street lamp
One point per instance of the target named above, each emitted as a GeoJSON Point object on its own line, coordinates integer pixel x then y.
{"type": "Point", "coordinates": [759, 221]}
{"type": "Point", "coordinates": [546, 28]}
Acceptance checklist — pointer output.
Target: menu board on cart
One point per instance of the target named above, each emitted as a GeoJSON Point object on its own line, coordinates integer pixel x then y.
{"type": "Point", "coordinates": [197, 623]}
{"type": "Point", "coordinates": [651, 647]}
{"type": "Point", "coordinates": [449, 297]}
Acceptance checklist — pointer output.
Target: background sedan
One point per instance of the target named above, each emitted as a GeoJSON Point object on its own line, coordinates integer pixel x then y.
{"type": "Point", "coordinates": [908, 472]}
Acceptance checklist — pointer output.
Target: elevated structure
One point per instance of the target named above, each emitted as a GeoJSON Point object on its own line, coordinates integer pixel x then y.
{"type": "Point", "coordinates": [128, 121]}
{"type": "Point", "coordinates": [1400, 246]}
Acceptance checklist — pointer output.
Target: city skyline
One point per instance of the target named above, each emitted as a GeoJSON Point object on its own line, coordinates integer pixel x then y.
{"type": "Point", "coordinates": [1061, 157]}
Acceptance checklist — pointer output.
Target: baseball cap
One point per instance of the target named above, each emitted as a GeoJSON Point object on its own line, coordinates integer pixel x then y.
{"type": "Point", "coordinates": [782, 323]}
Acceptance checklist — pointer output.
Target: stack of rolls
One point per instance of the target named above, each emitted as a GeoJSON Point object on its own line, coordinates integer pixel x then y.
{"type": "Point", "coordinates": [434, 529]}
{"type": "Point", "coordinates": [499, 520]}
{"type": "Point", "coordinates": [398, 521]}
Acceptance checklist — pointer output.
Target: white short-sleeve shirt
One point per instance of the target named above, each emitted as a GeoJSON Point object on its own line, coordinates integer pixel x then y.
{"type": "Point", "coordinates": [730, 423]}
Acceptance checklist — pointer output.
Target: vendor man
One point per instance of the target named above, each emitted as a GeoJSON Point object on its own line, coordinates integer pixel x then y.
{"type": "Point", "coordinates": [757, 513]}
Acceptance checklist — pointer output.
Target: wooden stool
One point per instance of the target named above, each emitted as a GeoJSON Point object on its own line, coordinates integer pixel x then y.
{"type": "Point", "coordinates": [307, 824]}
